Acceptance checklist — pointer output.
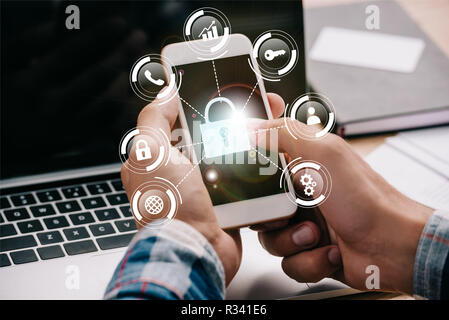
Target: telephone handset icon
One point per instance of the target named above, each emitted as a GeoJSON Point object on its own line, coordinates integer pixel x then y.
{"type": "Point", "coordinates": [158, 82]}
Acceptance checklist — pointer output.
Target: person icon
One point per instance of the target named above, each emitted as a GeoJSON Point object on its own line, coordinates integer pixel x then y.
{"type": "Point", "coordinates": [312, 119]}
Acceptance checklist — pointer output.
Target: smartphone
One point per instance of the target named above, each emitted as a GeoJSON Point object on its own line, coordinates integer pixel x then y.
{"type": "Point", "coordinates": [243, 192]}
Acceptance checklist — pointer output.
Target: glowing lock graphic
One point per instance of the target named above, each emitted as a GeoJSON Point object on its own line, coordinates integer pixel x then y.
{"type": "Point", "coordinates": [224, 136]}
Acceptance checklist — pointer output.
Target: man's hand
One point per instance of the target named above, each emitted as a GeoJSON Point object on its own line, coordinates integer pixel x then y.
{"type": "Point", "coordinates": [374, 224]}
{"type": "Point", "coordinates": [196, 209]}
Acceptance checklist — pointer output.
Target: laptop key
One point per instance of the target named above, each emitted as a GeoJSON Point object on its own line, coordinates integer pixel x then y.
{"type": "Point", "coordinates": [47, 196]}
{"type": "Point", "coordinates": [113, 242]}
{"type": "Point", "coordinates": [126, 211]}
{"type": "Point", "coordinates": [99, 188]}
{"type": "Point", "coordinates": [74, 248]}
{"type": "Point", "coordinates": [50, 252]}
{"type": "Point", "coordinates": [56, 222]}
{"type": "Point", "coordinates": [101, 229]}
{"type": "Point", "coordinates": [117, 184]}
{"type": "Point", "coordinates": [17, 243]}
{"type": "Point", "coordinates": [81, 218]}
{"type": "Point", "coordinates": [23, 199]}
{"type": "Point", "coordinates": [7, 230]}
{"type": "Point", "coordinates": [68, 206]}
{"type": "Point", "coordinates": [16, 214]}
{"type": "Point", "coordinates": [107, 214]}
{"type": "Point", "coordinates": [118, 198]}
{"type": "Point", "coordinates": [93, 203]}
{"type": "Point", "coordinates": [49, 237]}
{"type": "Point", "coordinates": [4, 203]}
{"type": "Point", "coordinates": [1, 219]}
{"type": "Point", "coordinates": [76, 233]}
{"type": "Point", "coordinates": [30, 226]}
{"type": "Point", "coordinates": [4, 260]}
{"type": "Point", "coordinates": [74, 192]}
{"type": "Point", "coordinates": [126, 225]}
{"type": "Point", "coordinates": [42, 211]}
{"type": "Point", "coordinates": [25, 256]}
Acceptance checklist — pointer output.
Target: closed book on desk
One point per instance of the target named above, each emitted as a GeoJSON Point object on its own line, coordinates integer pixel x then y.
{"type": "Point", "coordinates": [376, 98]}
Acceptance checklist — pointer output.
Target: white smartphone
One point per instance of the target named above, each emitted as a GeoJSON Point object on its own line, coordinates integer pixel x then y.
{"type": "Point", "coordinates": [243, 192]}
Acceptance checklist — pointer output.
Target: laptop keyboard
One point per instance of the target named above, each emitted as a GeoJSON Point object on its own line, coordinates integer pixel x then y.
{"type": "Point", "coordinates": [64, 221]}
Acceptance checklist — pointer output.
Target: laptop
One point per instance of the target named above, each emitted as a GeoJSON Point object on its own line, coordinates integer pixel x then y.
{"type": "Point", "coordinates": [65, 220]}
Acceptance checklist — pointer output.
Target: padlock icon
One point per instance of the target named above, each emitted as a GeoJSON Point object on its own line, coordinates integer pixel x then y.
{"type": "Point", "coordinates": [143, 151]}
{"type": "Point", "coordinates": [224, 136]}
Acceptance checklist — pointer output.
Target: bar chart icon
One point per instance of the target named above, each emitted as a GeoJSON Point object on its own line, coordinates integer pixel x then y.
{"type": "Point", "coordinates": [209, 33]}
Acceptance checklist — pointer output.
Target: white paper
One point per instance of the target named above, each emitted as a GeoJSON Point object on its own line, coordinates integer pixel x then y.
{"type": "Point", "coordinates": [434, 141]}
{"type": "Point", "coordinates": [369, 49]}
{"type": "Point", "coordinates": [416, 163]}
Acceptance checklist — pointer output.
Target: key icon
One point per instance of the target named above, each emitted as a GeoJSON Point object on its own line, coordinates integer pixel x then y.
{"type": "Point", "coordinates": [270, 54]}
{"type": "Point", "coordinates": [224, 134]}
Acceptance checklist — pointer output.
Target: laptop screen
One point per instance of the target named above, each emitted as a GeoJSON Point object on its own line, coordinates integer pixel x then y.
{"type": "Point", "coordinates": [66, 100]}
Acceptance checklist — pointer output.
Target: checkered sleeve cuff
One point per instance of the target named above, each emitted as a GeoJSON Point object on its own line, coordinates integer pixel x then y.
{"type": "Point", "coordinates": [431, 269]}
{"type": "Point", "coordinates": [172, 262]}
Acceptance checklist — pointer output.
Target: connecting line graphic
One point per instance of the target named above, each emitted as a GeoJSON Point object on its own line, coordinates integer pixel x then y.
{"type": "Point", "coordinates": [250, 95]}
{"type": "Point", "coordinates": [191, 170]}
{"type": "Point", "coordinates": [264, 130]}
{"type": "Point", "coordinates": [281, 171]}
{"type": "Point", "coordinates": [189, 145]}
{"type": "Point", "coordinates": [274, 164]}
{"type": "Point", "coordinates": [216, 78]}
{"type": "Point", "coordinates": [188, 104]}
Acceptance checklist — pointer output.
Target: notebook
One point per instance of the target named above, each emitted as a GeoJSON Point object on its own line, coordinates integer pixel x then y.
{"type": "Point", "coordinates": [390, 79]}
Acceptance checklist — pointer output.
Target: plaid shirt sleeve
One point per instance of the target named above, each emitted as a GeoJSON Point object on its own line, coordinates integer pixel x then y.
{"type": "Point", "coordinates": [431, 269]}
{"type": "Point", "coordinates": [173, 262]}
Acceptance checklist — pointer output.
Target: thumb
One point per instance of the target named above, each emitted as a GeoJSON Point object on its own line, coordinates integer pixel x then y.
{"type": "Point", "coordinates": [161, 113]}
{"type": "Point", "coordinates": [273, 135]}
{"type": "Point", "coordinates": [280, 135]}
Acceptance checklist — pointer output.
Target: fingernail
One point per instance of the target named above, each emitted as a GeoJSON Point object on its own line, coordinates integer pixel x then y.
{"type": "Point", "coordinates": [303, 236]}
{"type": "Point", "coordinates": [334, 256]}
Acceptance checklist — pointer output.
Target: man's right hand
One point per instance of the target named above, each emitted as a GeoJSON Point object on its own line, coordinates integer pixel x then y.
{"type": "Point", "coordinates": [374, 224]}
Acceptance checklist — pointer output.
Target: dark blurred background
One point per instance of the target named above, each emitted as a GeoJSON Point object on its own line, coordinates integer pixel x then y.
{"type": "Point", "coordinates": [65, 94]}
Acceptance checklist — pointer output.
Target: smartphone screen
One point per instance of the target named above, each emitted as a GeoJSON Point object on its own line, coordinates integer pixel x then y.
{"type": "Point", "coordinates": [232, 177]}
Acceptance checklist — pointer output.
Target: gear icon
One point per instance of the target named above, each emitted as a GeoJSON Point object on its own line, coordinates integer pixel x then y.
{"type": "Point", "coordinates": [309, 190]}
{"type": "Point", "coordinates": [306, 179]}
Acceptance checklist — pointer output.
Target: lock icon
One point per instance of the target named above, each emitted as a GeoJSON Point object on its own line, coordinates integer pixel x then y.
{"type": "Point", "coordinates": [143, 151]}
{"type": "Point", "coordinates": [224, 136]}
